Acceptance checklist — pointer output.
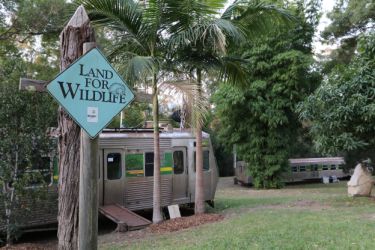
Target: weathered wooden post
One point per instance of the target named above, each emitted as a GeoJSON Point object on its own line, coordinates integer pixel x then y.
{"type": "Point", "coordinates": [88, 198]}
{"type": "Point", "coordinates": [102, 94]}
{"type": "Point", "coordinates": [77, 32]}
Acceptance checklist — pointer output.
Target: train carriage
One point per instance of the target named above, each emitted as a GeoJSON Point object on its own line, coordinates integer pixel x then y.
{"type": "Point", "coordinates": [126, 173]}
{"type": "Point", "coordinates": [126, 169]}
{"type": "Point", "coordinates": [300, 169]}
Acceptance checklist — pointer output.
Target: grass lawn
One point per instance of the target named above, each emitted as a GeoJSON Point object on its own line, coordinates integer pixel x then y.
{"type": "Point", "coordinates": [309, 216]}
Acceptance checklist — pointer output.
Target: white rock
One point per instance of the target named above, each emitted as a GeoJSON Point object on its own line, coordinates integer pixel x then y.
{"type": "Point", "coordinates": [361, 182]}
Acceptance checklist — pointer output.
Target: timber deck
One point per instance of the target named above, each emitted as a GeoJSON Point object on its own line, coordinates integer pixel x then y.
{"type": "Point", "coordinates": [125, 219]}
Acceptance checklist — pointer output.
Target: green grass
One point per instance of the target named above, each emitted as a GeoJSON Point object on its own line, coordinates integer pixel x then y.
{"type": "Point", "coordinates": [297, 217]}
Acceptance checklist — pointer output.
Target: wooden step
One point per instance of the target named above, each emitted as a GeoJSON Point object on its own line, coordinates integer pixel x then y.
{"type": "Point", "coordinates": [125, 219]}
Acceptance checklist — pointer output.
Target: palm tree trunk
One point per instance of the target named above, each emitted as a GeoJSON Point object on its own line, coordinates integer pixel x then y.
{"type": "Point", "coordinates": [156, 215]}
{"type": "Point", "coordinates": [199, 187]}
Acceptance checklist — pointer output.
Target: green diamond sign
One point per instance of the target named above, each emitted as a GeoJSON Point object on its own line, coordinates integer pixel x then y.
{"type": "Point", "coordinates": [91, 91]}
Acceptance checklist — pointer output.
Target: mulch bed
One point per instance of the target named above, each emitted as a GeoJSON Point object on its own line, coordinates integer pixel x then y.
{"type": "Point", "coordinates": [184, 222]}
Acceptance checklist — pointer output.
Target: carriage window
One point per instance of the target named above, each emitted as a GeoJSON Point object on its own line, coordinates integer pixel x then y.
{"type": "Point", "coordinates": [333, 167]}
{"type": "Point", "coordinates": [325, 167]}
{"type": "Point", "coordinates": [314, 167]}
{"type": "Point", "coordinates": [178, 162]}
{"type": "Point", "coordinates": [294, 169]}
{"type": "Point", "coordinates": [134, 165]}
{"type": "Point", "coordinates": [340, 166]}
{"type": "Point", "coordinates": [149, 164]}
{"type": "Point", "coordinates": [302, 168]}
{"type": "Point", "coordinates": [114, 166]}
{"type": "Point", "coordinates": [206, 160]}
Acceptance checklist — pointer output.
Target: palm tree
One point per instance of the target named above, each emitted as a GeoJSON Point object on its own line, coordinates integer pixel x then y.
{"type": "Point", "coordinates": [201, 38]}
{"type": "Point", "coordinates": [196, 38]}
{"type": "Point", "coordinates": [137, 29]}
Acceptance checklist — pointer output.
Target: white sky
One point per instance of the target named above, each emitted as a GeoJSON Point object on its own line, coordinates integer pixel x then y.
{"type": "Point", "coordinates": [327, 6]}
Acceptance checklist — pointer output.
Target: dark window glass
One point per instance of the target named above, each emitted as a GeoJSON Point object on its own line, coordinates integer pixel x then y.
{"type": "Point", "coordinates": [325, 167]}
{"type": "Point", "coordinates": [294, 169]}
{"type": "Point", "coordinates": [206, 160]}
{"type": "Point", "coordinates": [302, 168]}
{"type": "Point", "coordinates": [314, 167]}
{"type": "Point", "coordinates": [333, 167]}
{"type": "Point", "coordinates": [178, 162]}
{"type": "Point", "coordinates": [149, 164]}
{"type": "Point", "coordinates": [114, 171]}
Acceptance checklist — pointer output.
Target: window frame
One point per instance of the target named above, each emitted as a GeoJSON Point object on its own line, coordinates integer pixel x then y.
{"type": "Point", "coordinates": [195, 159]}
{"type": "Point", "coordinates": [183, 161]}
{"type": "Point", "coordinates": [121, 165]}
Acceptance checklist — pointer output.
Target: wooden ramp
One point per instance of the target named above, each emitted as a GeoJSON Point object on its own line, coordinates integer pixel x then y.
{"type": "Point", "coordinates": [125, 219]}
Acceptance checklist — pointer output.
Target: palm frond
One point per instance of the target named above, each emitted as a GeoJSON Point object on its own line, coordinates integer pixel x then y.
{"type": "Point", "coordinates": [152, 21]}
{"type": "Point", "coordinates": [233, 70]}
{"type": "Point", "coordinates": [209, 31]}
{"type": "Point", "coordinates": [121, 15]}
{"type": "Point", "coordinates": [257, 17]}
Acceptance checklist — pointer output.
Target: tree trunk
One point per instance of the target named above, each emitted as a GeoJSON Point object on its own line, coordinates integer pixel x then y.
{"type": "Point", "coordinates": [199, 187]}
{"type": "Point", "coordinates": [156, 215]}
{"type": "Point", "coordinates": [77, 32]}
{"type": "Point", "coordinates": [10, 207]}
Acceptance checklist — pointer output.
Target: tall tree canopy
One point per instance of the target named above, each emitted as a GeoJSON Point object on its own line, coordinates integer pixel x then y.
{"type": "Point", "coordinates": [350, 19]}
{"type": "Point", "coordinates": [341, 112]}
{"type": "Point", "coordinates": [261, 119]}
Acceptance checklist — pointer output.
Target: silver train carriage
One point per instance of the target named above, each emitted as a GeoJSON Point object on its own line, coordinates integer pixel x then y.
{"type": "Point", "coordinates": [301, 169]}
{"type": "Point", "coordinates": [126, 173]}
{"type": "Point", "coordinates": [126, 168]}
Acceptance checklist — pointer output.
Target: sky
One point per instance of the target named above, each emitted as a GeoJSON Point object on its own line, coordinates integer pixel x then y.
{"type": "Point", "coordinates": [327, 6]}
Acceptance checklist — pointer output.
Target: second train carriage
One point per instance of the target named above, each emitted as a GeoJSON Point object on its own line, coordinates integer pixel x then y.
{"type": "Point", "coordinates": [300, 169]}
{"type": "Point", "coordinates": [126, 173]}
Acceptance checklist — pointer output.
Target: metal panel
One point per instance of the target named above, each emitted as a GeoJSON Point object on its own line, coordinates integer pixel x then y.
{"type": "Point", "coordinates": [139, 192]}
{"type": "Point", "coordinates": [134, 143]}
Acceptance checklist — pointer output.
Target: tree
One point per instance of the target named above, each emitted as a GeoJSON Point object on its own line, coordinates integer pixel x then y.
{"type": "Point", "coordinates": [24, 141]}
{"type": "Point", "coordinates": [340, 113]}
{"type": "Point", "coordinates": [138, 30]}
{"type": "Point", "coordinates": [261, 119]}
{"type": "Point", "coordinates": [350, 19]}
{"type": "Point", "coordinates": [207, 35]}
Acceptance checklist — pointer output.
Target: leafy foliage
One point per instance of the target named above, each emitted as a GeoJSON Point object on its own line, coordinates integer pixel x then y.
{"type": "Point", "coordinates": [350, 19]}
{"type": "Point", "coordinates": [24, 117]}
{"type": "Point", "coordinates": [261, 119]}
{"type": "Point", "coordinates": [341, 112]}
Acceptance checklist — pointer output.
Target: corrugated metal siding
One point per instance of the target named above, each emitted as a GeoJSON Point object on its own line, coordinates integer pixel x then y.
{"type": "Point", "coordinates": [139, 192]}
{"type": "Point", "coordinates": [325, 160]}
{"type": "Point", "coordinates": [135, 143]}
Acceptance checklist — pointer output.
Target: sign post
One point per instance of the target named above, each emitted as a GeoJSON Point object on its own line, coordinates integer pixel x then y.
{"type": "Point", "coordinates": [88, 186]}
{"type": "Point", "coordinates": [92, 93]}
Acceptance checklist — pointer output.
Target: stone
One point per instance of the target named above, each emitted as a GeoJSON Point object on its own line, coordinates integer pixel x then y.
{"type": "Point", "coordinates": [361, 182]}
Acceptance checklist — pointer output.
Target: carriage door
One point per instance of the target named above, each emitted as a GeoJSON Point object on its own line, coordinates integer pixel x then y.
{"type": "Point", "coordinates": [113, 186]}
{"type": "Point", "coordinates": [180, 175]}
